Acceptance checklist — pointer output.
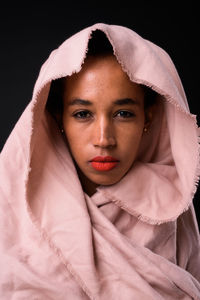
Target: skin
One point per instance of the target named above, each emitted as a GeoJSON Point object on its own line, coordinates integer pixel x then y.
{"type": "Point", "coordinates": [103, 128]}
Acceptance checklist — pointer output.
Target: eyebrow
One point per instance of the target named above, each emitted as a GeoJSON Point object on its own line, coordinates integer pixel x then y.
{"type": "Point", "coordinates": [117, 102]}
{"type": "Point", "coordinates": [126, 101]}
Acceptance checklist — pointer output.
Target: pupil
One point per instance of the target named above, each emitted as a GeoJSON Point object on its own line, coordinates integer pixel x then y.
{"type": "Point", "coordinates": [83, 114]}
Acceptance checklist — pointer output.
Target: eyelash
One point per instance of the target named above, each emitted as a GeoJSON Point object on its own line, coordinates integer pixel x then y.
{"type": "Point", "coordinates": [75, 115]}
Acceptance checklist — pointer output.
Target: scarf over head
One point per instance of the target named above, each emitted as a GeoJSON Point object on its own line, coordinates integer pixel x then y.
{"type": "Point", "coordinates": [136, 239]}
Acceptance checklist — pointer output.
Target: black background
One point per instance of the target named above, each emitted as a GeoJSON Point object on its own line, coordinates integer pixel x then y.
{"type": "Point", "coordinates": [30, 31]}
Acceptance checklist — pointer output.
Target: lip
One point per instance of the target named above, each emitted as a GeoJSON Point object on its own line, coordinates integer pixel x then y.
{"type": "Point", "coordinates": [104, 159]}
{"type": "Point", "coordinates": [104, 163]}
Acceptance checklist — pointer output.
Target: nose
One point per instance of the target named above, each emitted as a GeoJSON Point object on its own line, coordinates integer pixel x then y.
{"type": "Point", "coordinates": [103, 133]}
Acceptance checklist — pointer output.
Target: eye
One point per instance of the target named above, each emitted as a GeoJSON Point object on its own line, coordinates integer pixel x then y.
{"type": "Point", "coordinates": [124, 114]}
{"type": "Point", "coordinates": [83, 114]}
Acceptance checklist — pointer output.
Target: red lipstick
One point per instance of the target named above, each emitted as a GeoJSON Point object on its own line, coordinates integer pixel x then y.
{"type": "Point", "coordinates": [104, 163]}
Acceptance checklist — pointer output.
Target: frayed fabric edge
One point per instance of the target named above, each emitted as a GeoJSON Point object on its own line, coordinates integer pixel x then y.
{"type": "Point", "coordinates": [37, 93]}
{"type": "Point", "coordinates": [140, 216]}
{"type": "Point", "coordinates": [197, 173]}
{"type": "Point", "coordinates": [140, 81]}
{"type": "Point", "coordinates": [170, 100]}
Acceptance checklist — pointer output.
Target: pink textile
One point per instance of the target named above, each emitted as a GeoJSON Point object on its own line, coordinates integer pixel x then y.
{"type": "Point", "coordinates": [137, 239]}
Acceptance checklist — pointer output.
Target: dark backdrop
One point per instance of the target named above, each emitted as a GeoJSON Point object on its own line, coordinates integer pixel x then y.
{"type": "Point", "coordinates": [30, 31]}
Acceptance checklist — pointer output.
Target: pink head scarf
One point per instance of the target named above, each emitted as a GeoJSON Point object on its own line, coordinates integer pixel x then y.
{"type": "Point", "coordinates": [135, 239]}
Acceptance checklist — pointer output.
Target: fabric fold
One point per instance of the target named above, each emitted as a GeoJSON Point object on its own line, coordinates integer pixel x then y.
{"type": "Point", "coordinates": [137, 238]}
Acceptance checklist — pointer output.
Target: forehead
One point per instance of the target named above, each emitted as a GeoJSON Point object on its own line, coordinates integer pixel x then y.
{"type": "Point", "coordinates": [101, 74]}
{"type": "Point", "coordinates": [101, 67]}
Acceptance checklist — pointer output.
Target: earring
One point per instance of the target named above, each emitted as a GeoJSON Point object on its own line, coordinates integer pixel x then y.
{"type": "Point", "coordinates": [62, 130]}
{"type": "Point", "coordinates": [145, 129]}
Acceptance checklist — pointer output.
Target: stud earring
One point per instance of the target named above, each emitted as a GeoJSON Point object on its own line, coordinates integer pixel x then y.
{"type": "Point", "coordinates": [62, 130]}
{"type": "Point", "coordinates": [145, 129]}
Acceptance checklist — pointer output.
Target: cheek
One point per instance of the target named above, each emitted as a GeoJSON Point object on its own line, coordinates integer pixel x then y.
{"type": "Point", "coordinates": [129, 141]}
{"type": "Point", "coordinates": [76, 138]}
{"type": "Point", "coordinates": [131, 147]}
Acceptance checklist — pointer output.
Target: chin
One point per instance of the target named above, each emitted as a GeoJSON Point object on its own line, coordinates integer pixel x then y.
{"type": "Point", "coordinates": [106, 181]}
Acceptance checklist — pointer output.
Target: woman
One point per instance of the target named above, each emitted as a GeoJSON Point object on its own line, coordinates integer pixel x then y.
{"type": "Point", "coordinates": [98, 203]}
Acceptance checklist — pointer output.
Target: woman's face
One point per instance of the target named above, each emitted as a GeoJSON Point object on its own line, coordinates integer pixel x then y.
{"type": "Point", "coordinates": [103, 117]}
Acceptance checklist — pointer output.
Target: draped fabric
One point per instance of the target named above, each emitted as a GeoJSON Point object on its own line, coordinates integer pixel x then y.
{"type": "Point", "coordinates": [136, 239]}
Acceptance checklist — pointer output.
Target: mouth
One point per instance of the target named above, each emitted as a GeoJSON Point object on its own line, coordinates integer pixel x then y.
{"type": "Point", "coordinates": [104, 163]}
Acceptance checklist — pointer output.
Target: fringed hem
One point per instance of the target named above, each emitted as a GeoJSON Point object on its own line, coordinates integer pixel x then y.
{"type": "Point", "coordinates": [182, 110]}
{"type": "Point", "coordinates": [140, 216]}
{"type": "Point", "coordinates": [197, 173]}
